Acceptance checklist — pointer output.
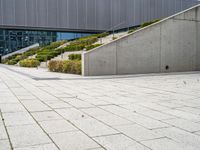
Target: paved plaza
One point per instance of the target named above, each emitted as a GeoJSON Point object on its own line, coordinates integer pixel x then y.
{"type": "Point", "coordinates": [40, 110]}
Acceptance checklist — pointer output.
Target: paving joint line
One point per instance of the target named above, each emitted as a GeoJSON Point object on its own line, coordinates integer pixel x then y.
{"type": "Point", "coordinates": [1, 114]}
{"type": "Point", "coordinates": [33, 117]}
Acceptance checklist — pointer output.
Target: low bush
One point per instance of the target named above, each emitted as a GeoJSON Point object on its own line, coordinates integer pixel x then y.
{"type": "Point", "coordinates": [14, 59]}
{"type": "Point", "coordinates": [101, 35]}
{"type": "Point", "coordinates": [55, 66]}
{"type": "Point", "coordinates": [73, 48]}
{"type": "Point", "coordinates": [12, 62]}
{"type": "Point", "coordinates": [55, 44]}
{"type": "Point", "coordinates": [85, 41]}
{"type": "Point", "coordinates": [132, 30]}
{"type": "Point", "coordinates": [31, 52]}
{"type": "Point", "coordinates": [114, 38]}
{"type": "Point", "coordinates": [149, 23]}
{"type": "Point", "coordinates": [74, 57]}
{"type": "Point", "coordinates": [67, 66]}
{"type": "Point", "coordinates": [92, 46]}
{"type": "Point", "coordinates": [47, 54]}
{"type": "Point", "coordinates": [72, 66]}
{"type": "Point", "coordinates": [29, 63]}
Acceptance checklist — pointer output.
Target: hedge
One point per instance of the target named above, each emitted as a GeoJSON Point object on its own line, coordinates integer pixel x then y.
{"type": "Point", "coordinates": [74, 57]}
{"type": "Point", "coordinates": [67, 66]}
{"type": "Point", "coordinates": [149, 23]}
{"type": "Point", "coordinates": [92, 46]}
{"type": "Point", "coordinates": [14, 59]}
{"type": "Point", "coordinates": [55, 44]}
{"type": "Point", "coordinates": [84, 41]}
{"type": "Point", "coordinates": [11, 62]}
{"type": "Point", "coordinates": [29, 63]}
{"type": "Point", "coordinates": [73, 48]}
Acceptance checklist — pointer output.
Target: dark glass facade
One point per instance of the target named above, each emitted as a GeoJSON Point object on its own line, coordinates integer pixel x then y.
{"type": "Point", "coordinates": [12, 40]}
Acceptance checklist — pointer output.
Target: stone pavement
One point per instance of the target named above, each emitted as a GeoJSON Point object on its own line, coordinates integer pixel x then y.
{"type": "Point", "coordinates": [40, 110]}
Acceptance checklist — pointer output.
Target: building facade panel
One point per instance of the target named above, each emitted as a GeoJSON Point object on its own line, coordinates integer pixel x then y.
{"type": "Point", "coordinates": [20, 14]}
{"type": "Point", "coordinates": [41, 13]}
{"type": "Point", "coordinates": [8, 12]}
{"type": "Point", "coordinates": [63, 13]}
{"type": "Point", "coordinates": [52, 19]}
{"type": "Point", "coordinates": [88, 15]}
{"type": "Point", "coordinates": [91, 14]}
{"type": "Point", "coordinates": [31, 13]}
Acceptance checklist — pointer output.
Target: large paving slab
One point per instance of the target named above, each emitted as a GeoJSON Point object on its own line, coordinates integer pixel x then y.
{"type": "Point", "coordinates": [40, 110]}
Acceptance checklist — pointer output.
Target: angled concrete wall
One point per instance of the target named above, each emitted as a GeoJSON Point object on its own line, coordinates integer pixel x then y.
{"type": "Point", "coordinates": [167, 46]}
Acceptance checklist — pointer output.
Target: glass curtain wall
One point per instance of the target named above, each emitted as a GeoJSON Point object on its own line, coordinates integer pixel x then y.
{"type": "Point", "coordinates": [13, 40]}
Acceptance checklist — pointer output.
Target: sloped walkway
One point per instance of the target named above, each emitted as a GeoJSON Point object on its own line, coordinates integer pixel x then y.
{"type": "Point", "coordinates": [42, 110]}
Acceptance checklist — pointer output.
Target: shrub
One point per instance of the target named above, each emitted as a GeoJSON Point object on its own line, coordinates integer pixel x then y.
{"type": "Point", "coordinates": [101, 35]}
{"type": "Point", "coordinates": [20, 57]}
{"type": "Point", "coordinates": [72, 66]}
{"type": "Point", "coordinates": [74, 57]}
{"type": "Point", "coordinates": [67, 66]}
{"type": "Point", "coordinates": [85, 41]}
{"type": "Point", "coordinates": [92, 46]}
{"type": "Point", "coordinates": [114, 38]}
{"type": "Point", "coordinates": [55, 44]}
{"type": "Point", "coordinates": [47, 54]}
{"type": "Point", "coordinates": [41, 58]}
{"type": "Point", "coordinates": [73, 48]}
{"type": "Point", "coordinates": [31, 52]}
{"type": "Point", "coordinates": [55, 66]}
{"type": "Point", "coordinates": [132, 30]}
{"type": "Point", "coordinates": [149, 23]}
{"type": "Point", "coordinates": [12, 62]}
{"type": "Point", "coordinates": [29, 63]}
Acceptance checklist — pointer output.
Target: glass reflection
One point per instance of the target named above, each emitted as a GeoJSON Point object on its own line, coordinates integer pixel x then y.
{"type": "Point", "coordinates": [13, 40]}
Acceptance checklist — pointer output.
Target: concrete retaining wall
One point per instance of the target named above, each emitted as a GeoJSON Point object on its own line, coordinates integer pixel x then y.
{"type": "Point", "coordinates": [170, 45]}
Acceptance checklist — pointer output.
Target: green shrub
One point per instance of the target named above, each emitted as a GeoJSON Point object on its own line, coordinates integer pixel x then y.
{"type": "Point", "coordinates": [67, 66]}
{"type": "Point", "coordinates": [41, 58]}
{"type": "Point", "coordinates": [55, 66]}
{"type": "Point", "coordinates": [114, 38]}
{"type": "Point", "coordinates": [55, 45]}
{"type": "Point", "coordinates": [14, 59]}
{"type": "Point", "coordinates": [101, 35]}
{"type": "Point", "coordinates": [20, 57]}
{"type": "Point", "coordinates": [74, 57]}
{"type": "Point", "coordinates": [12, 62]}
{"type": "Point", "coordinates": [31, 52]}
{"type": "Point", "coordinates": [72, 66]}
{"type": "Point", "coordinates": [73, 48]}
{"type": "Point", "coordinates": [85, 41]}
{"type": "Point", "coordinates": [132, 30]}
{"type": "Point", "coordinates": [47, 54]}
{"type": "Point", "coordinates": [149, 23]}
{"type": "Point", "coordinates": [92, 46]}
{"type": "Point", "coordinates": [29, 63]}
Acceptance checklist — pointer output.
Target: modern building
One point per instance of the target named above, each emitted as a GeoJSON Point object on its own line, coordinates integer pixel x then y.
{"type": "Point", "coordinates": [25, 22]}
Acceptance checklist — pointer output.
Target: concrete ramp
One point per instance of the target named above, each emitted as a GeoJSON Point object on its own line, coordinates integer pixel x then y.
{"type": "Point", "coordinates": [171, 45]}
